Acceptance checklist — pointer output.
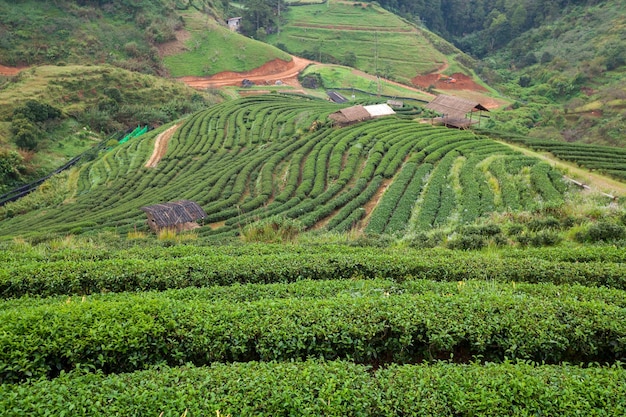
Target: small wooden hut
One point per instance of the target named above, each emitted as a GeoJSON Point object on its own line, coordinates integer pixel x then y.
{"type": "Point", "coordinates": [176, 215]}
{"type": "Point", "coordinates": [350, 115]}
{"type": "Point", "coordinates": [454, 111]}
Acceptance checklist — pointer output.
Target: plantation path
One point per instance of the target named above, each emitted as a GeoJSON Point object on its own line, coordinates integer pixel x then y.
{"type": "Point", "coordinates": [596, 181]}
{"type": "Point", "coordinates": [285, 71]}
{"type": "Point", "coordinates": [10, 71]}
{"type": "Point", "coordinates": [160, 146]}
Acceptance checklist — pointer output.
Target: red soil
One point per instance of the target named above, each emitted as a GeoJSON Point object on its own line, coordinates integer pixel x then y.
{"type": "Point", "coordinates": [463, 82]}
{"type": "Point", "coordinates": [10, 71]}
{"type": "Point", "coordinates": [269, 73]}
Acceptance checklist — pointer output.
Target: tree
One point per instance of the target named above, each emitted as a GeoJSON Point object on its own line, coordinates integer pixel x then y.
{"type": "Point", "coordinates": [349, 59]}
{"type": "Point", "coordinates": [11, 167]}
{"type": "Point", "coordinates": [25, 133]}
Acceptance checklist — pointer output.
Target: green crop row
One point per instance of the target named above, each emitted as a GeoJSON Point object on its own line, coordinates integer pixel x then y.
{"type": "Point", "coordinates": [328, 388]}
{"type": "Point", "coordinates": [149, 272]}
{"type": "Point", "coordinates": [132, 331]}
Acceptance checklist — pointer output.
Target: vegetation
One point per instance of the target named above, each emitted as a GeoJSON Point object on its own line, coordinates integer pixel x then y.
{"type": "Point", "coordinates": [60, 112]}
{"type": "Point", "coordinates": [360, 35]}
{"type": "Point", "coordinates": [213, 48]}
{"type": "Point", "coordinates": [388, 267]}
{"type": "Point", "coordinates": [121, 33]}
{"type": "Point", "coordinates": [264, 156]}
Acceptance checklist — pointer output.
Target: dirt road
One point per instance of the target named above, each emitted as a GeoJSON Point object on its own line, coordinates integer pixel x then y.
{"type": "Point", "coordinates": [267, 74]}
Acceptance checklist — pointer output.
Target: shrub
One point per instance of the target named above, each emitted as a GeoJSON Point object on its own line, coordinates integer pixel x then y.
{"type": "Point", "coordinates": [272, 230]}
{"type": "Point", "coordinates": [602, 231]}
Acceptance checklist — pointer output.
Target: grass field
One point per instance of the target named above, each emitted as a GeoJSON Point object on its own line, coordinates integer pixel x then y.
{"type": "Point", "coordinates": [381, 42]}
{"type": "Point", "coordinates": [340, 77]}
{"type": "Point", "coordinates": [213, 49]}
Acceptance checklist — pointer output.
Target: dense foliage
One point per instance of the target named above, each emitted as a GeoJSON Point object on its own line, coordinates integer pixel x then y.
{"type": "Point", "coordinates": [330, 388]}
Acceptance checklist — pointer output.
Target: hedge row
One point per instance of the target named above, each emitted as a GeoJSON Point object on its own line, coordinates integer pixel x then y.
{"type": "Point", "coordinates": [318, 388]}
{"type": "Point", "coordinates": [131, 332]}
{"type": "Point", "coordinates": [117, 275]}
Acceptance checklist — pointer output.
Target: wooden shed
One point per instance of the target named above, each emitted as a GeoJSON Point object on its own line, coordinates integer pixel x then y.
{"type": "Point", "coordinates": [350, 115]}
{"type": "Point", "coordinates": [454, 111]}
{"type": "Point", "coordinates": [176, 215]}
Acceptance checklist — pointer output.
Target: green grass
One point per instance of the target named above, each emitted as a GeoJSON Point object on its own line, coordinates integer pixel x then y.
{"type": "Point", "coordinates": [382, 42]}
{"type": "Point", "coordinates": [213, 49]}
{"type": "Point", "coordinates": [335, 76]}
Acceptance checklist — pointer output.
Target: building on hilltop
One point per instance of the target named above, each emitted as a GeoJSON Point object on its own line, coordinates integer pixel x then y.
{"type": "Point", "coordinates": [176, 215]}
{"type": "Point", "coordinates": [234, 23]}
{"type": "Point", "coordinates": [454, 111]}
{"type": "Point", "coordinates": [350, 115]}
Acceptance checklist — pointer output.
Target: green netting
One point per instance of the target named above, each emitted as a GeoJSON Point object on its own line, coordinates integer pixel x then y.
{"type": "Point", "coordinates": [137, 132]}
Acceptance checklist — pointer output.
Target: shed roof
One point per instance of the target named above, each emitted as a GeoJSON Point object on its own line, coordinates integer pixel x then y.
{"type": "Point", "coordinates": [175, 212]}
{"type": "Point", "coordinates": [378, 110]}
{"type": "Point", "coordinates": [454, 106]}
{"type": "Point", "coordinates": [336, 97]}
{"type": "Point", "coordinates": [351, 114]}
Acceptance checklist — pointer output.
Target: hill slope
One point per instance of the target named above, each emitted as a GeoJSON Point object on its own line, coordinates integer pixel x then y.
{"type": "Point", "coordinates": [268, 156]}
{"type": "Point", "coordinates": [366, 37]}
{"type": "Point", "coordinates": [94, 102]}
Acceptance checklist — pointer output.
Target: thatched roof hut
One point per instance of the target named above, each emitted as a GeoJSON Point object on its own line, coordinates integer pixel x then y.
{"type": "Point", "coordinates": [350, 115]}
{"type": "Point", "coordinates": [177, 215]}
{"type": "Point", "coordinates": [454, 110]}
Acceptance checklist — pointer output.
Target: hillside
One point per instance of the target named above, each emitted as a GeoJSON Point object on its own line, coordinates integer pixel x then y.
{"type": "Point", "coordinates": [93, 102]}
{"type": "Point", "coordinates": [366, 37]}
{"type": "Point", "coordinates": [568, 78]}
{"type": "Point", "coordinates": [278, 158]}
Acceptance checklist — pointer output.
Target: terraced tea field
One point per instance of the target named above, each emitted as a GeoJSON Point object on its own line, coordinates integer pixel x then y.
{"type": "Point", "coordinates": [274, 155]}
{"type": "Point", "coordinates": [310, 330]}
{"type": "Point", "coordinates": [381, 42]}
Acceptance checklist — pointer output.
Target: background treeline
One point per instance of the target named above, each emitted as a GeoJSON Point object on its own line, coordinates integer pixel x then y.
{"type": "Point", "coordinates": [479, 26]}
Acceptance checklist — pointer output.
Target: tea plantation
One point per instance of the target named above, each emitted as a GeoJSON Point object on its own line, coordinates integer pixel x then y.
{"type": "Point", "coordinates": [94, 323]}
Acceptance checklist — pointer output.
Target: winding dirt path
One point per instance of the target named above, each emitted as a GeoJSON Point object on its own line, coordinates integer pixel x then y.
{"type": "Point", "coordinates": [160, 146]}
{"type": "Point", "coordinates": [597, 182]}
{"type": "Point", "coordinates": [285, 71]}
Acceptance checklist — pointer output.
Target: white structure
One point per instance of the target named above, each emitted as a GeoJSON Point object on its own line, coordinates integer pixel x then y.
{"type": "Point", "coordinates": [233, 23]}
{"type": "Point", "coordinates": [379, 110]}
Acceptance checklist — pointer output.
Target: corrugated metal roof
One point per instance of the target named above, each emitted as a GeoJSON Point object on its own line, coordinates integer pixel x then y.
{"type": "Point", "coordinates": [378, 110]}
{"type": "Point", "coordinates": [454, 106]}
{"type": "Point", "coordinates": [336, 97]}
{"type": "Point", "coordinates": [175, 212]}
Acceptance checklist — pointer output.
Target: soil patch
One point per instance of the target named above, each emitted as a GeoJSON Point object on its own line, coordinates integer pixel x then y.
{"type": "Point", "coordinates": [456, 81]}
{"type": "Point", "coordinates": [267, 74]}
{"type": "Point", "coordinates": [371, 205]}
{"type": "Point", "coordinates": [175, 47]}
{"type": "Point", "coordinates": [10, 71]}
{"type": "Point", "coordinates": [160, 146]}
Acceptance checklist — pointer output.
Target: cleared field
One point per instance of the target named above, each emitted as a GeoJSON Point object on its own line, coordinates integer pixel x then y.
{"type": "Point", "coordinates": [380, 42]}
{"type": "Point", "coordinates": [213, 48]}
